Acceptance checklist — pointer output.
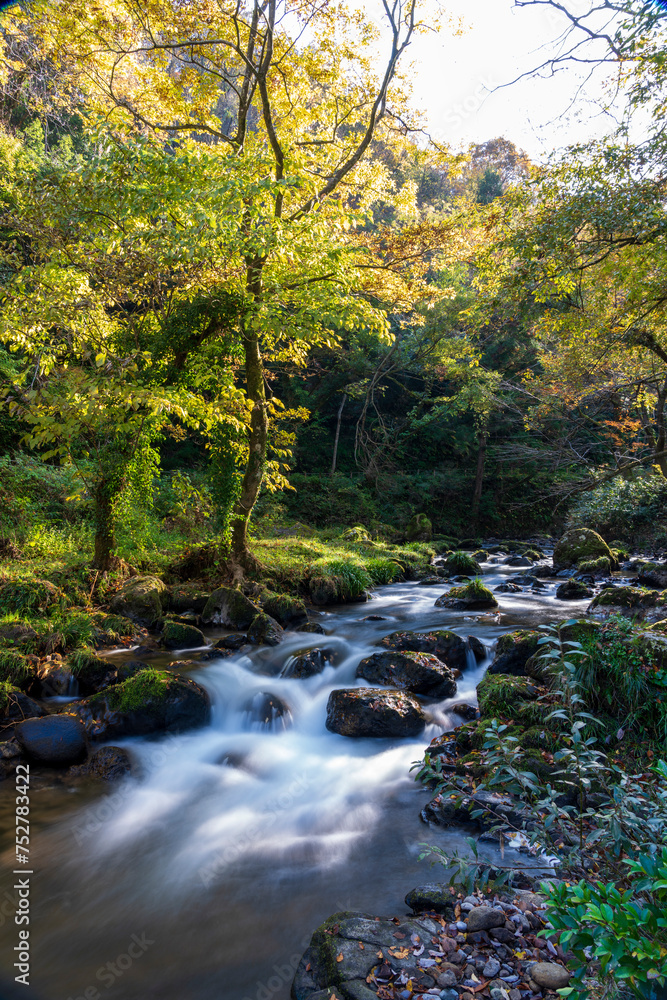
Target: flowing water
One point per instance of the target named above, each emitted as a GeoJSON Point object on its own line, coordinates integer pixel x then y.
{"type": "Point", "coordinates": [204, 877]}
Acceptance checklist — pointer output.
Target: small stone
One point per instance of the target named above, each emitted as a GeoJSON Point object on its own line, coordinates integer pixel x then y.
{"type": "Point", "coordinates": [515, 995]}
{"type": "Point", "coordinates": [461, 926]}
{"type": "Point", "coordinates": [446, 980]}
{"type": "Point", "coordinates": [549, 976]}
{"type": "Point", "coordinates": [491, 969]}
{"type": "Point", "coordinates": [483, 918]}
{"type": "Point", "coordinates": [473, 900]}
{"type": "Point", "coordinates": [449, 995]}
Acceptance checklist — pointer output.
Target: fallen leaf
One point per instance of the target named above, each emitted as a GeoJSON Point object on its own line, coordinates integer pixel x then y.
{"type": "Point", "coordinates": [399, 952]}
{"type": "Point", "coordinates": [362, 946]}
{"type": "Point", "coordinates": [398, 934]}
{"type": "Point", "coordinates": [308, 967]}
{"type": "Point", "coordinates": [380, 955]}
{"type": "Point", "coordinates": [339, 958]}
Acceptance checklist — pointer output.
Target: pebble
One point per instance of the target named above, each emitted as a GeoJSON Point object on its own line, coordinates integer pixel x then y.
{"type": "Point", "coordinates": [447, 979]}
{"type": "Point", "coordinates": [550, 976]}
{"type": "Point", "coordinates": [491, 969]}
{"type": "Point", "coordinates": [473, 900]}
{"type": "Point", "coordinates": [460, 926]}
{"type": "Point", "coordinates": [449, 995]}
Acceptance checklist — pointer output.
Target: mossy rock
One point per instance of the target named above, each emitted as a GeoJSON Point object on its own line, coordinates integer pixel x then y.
{"type": "Point", "coordinates": [626, 597]}
{"type": "Point", "coordinates": [15, 704]}
{"type": "Point", "coordinates": [141, 599]}
{"type": "Point", "coordinates": [573, 590]}
{"type": "Point", "coordinates": [653, 575]}
{"type": "Point", "coordinates": [532, 554]}
{"type": "Point", "coordinates": [513, 650]}
{"type": "Point", "coordinates": [21, 596]}
{"type": "Point", "coordinates": [579, 544]}
{"type": "Point", "coordinates": [461, 562]}
{"type": "Point", "coordinates": [471, 596]}
{"type": "Point", "coordinates": [109, 630]}
{"type": "Point", "coordinates": [480, 555]}
{"type": "Point", "coordinates": [502, 696]}
{"type": "Point", "coordinates": [178, 636]}
{"type": "Point", "coordinates": [601, 566]}
{"type": "Point", "coordinates": [150, 701]}
{"type": "Point", "coordinates": [419, 529]}
{"type": "Point", "coordinates": [287, 610]}
{"type": "Point", "coordinates": [230, 607]}
{"type": "Point", "coordinates": [471, 736]}
{"type": "Point", "coordinates": [17, 633]}
{"type": "Point", "coordinates": [264, 630]}
{"type": "Point", "coordinates": [16, 669]}
{"type": "Point", "coordinates": [447, 646]}
{"type": "Point", "coordinates": [356, 534]}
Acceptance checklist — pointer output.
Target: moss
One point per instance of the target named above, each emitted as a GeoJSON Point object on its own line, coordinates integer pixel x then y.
{"type": "Point", "coordinates": [90, 670]}
{"type": "Point", "coordinates": [146, 687]}
{"type": "Point", "coordinates": [501, 695]}
{"type": "Point", "coordinates": [15, 668]}
{"type": "Point", "coordinates": [472, 592]}
{"type": "Point", "coordinates": [626, 597]}
{"type": "Point", "coordinates": [461, 562]}
{"type": "Point", "coordinates": [356, 534]}
{"type": "Point", "coordinates": [579, 544]}
{"type": "Point", "coordinates": [480, 556]}
{"type": "Point", "coordinates": [419, 529]}
{"type": "Point", "coordinates": [600, 565]}
{"type": "Point", "coordinates": [178, 636]}
{"type": "Point", "coordinates": [523, 639]}
{"type": "Point", "coordinates": [285, 609]}
{"type": "Point", "coordinates": [21, 596]}
{"type": "Point", "coordinates": [532, 554]}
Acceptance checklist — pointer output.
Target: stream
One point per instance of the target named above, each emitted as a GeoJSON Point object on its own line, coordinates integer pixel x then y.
{"type": "Point", "coordinates": [204, 877]}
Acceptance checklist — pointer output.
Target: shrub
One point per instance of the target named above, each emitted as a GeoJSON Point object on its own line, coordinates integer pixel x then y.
{"type": "Point", "coordinates": [622, 507]}
{"type": "Point", "coordinates": [461, 563]}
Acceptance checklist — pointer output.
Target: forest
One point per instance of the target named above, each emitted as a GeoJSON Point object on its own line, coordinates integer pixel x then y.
{"type": "Point", "coordinates": [271, 357]}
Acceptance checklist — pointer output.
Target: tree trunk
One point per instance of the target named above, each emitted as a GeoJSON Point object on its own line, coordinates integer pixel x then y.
{"type": "Point", "coordinates": [105, 534]}
{"type": "Point", "coordinates": [257, 440]}
{"type": "Point", "coordinates": [335, 451]}
{"type": "Point", "coordinates": [661, 437]}
{"type": "Point", "coordinates": [479, 478]}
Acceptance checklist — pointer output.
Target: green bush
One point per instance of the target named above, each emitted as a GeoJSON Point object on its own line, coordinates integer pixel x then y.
{"type": "Point", "coordinates": [622, 507]}
{"type": "Point", "coordinates": [461, 563]}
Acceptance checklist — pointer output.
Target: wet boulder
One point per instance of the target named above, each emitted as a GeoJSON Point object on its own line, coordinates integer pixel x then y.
{"type": "Point", "coordinates": [473, 596]}
{"type": "Point", "coordinates": [419, 673]}
{"type": "Point", "coordinates": [231, 642]}
{"type": "Point", "coordinates": [447, 646]}
{"type": "Point", "coordinates": [519, 561]}
{"type": "Point", "coordinates": [477, 647]}
{"type": "Point", "coordinates": [434, 897]}
{"type": "Point", "coordinates": [176, 635]}
{"type": "Point", "coordinates": [92, 673]}
{"type": "Point", "coordinates": [652, 575]}
{"type": "Point", "coordinates": [265, 630]}
{"type": "Point", "coordinates": [56, 740]}
{"type": "Point", "coordinates": [307, 664]}
{"type": "Point", "coordinates": [56, 679]}
{"type": "Point", "coordinates": [313, 627]}
{"type": "Point", "coordinates": [513, 650]}
{"type": "Point", "coordinates": [141, 599]}
{"type": "Point", "coordinates": [15, 705]}
{"type": "Point", "coordinates": [573, 590]}
{"type": "Point", "coordinates": [375, 713]}
{"type": "Point", "coordinates": [229, 607]}
{"type": "Point", "coordinates": [288, 611]}
{"type": "Point", "coordinates": [266, 711]}
{"type": "Point", "coordinates": [579, 545]}
{"type": "Point", "coordinates": [149, 702]}
{"type": "Point", "coordinates": [105, 764]}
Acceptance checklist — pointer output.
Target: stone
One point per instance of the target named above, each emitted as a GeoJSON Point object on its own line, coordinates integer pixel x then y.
{"type": "Point", "coordinates": [469, 597]}
{"type": "Point", "coordinates": [151, 701]}
{"type": "Point", "coordinates": [653, 575]}
{"type": "Point", "coordinates": [549, 976]}
{"type": "Point", "coordinates": [370, 712]}
{"type": "Point", "coordinates": [56, 740]}
{"type": "Point", "coordinates": [483, 918]}
{"type": "Point", "coordinates": [56, 679]}
{"type": "Point", "coordinates": [491, 969]}
{"type": "Point", "coordinates": [477, 647]}
{"type": "Point", "coordinates": [419, 673]}
{"type": "Point", "coordinates": [577, 545]}
{"type": "Point", "coordinates": [141, 599]}
{"type": "Point", "coordinates": [466, 711]}
{"type": "Point", "coordinates": [313, 627]}
{"type": "Point", "coordinates": [105, 764]}
{"type": "Point", "coordinates": [265, 630]}
{"type": "Point", "coordinates": [573, 590]}
{"type": "Point", "coordinates": [15, 705]}
{"type": "Point", "coordinates": [178, 636]}
{"type": "Point", "coordinates": [229, 607]}
{"type": "Point", "coordinates": [231, 642]}
{"type": "Point", "coordinates": [447, 979]}
{"type": "Point", "coordinates": [286, 610]}
{"type": "Point", "coordinates": [267, 711]}
{"type": "Point", "coordinates": [307, 664]}
{"type": "Point", "coordinates": [431, 896]}
{"type": "Point", "coordinates": [447, 646]}
{"type": "Point", "coordinates": [513, 650]}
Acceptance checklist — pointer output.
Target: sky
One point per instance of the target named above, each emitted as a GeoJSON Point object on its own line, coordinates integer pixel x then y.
{"type": "Point", "coordinates": [455, 80]}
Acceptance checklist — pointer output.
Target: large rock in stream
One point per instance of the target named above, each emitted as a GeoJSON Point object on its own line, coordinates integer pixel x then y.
{"type": "Point", "coordinates": [447, 646]}
{"type": "Point", "coordinates": [372, 712]}
{"type": "Point", "coordinates": [141, 599]}
{"type": "Point", "coordinates": [151, 701]}
{"type": "Point", "coordinates": [419, 673]}
{"type": "Point", "coordinates": [229, 607]}
{"type": "Point", "coordinates": [56, 740]}
{"type": "Point", "coordinates": [579, 545]}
